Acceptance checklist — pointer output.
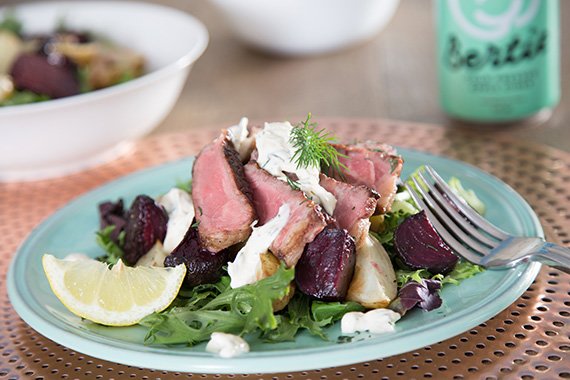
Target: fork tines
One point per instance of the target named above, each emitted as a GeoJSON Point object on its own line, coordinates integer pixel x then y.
{"type": "Point", "coordinates": [462, 228]}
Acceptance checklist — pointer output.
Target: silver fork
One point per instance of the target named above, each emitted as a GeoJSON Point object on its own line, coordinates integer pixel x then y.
{"type": "Point", "coordinates": [473, 237]}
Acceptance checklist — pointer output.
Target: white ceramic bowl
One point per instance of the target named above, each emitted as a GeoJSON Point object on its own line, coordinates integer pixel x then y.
{"type": "Point", "coordinates": [304, 27]}
{"type": "Point", "coordinates": [61, 136]}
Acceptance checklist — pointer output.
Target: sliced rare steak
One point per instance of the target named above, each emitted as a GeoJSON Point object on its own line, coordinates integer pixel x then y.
{"type": "Point", "coordinates": [374, 165]}
{"type": "Point", "coordinates": [326, 267]}
{"type": "Point", "coordinates": [306, 218]}
{"type": "Point", "coordinates": [221, 195]}
{"type": "Point", "coordinates": [355, 205]}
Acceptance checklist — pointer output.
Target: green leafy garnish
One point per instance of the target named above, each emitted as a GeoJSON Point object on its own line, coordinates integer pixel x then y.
{"type": "Point", "coordinates": [126, 76]}
{"type": "Point", "coordinates": [297, 316]}
{"type": "Point", "coordinates": [113, 250]}
{"type": "Point", "coordinates": [313, 147]}
{"type": "Point", "coordinates": [83, 76]}
{"type": "Point", "coordinates": [404, 276]}
{"type": "Point", "coordinates": [293, 184]}
{"type": "Point", "coordinates": [464, 269]}
{"type": "Point", "coordinates": [11, 23]}
{"type": "Point", "coordinates": [237, 311]}
{"type": "Point", "coordinates": [467, 194]}
{"type": "Point", "coordinates": [313, 316]}
{"type": "Point", "coordinates": [331, 312]}
{"type": "Point", "coordinates": [402, 207]}
{"type": "Point", "coordinates": [185, 185]}
{"type": "Point", "coordinates": [23, 97]}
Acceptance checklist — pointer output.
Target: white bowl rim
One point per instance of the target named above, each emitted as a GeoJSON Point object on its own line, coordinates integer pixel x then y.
{"type": "Point", "coordinates": [187, 59]}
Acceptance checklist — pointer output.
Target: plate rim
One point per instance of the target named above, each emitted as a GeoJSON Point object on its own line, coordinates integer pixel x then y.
{"type": "Point", "coordinates": [519, 279]}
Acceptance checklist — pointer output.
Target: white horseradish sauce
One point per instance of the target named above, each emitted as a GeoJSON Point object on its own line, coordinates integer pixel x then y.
{"type": "Point", "coordinates": [246, 268]}
{"type": "Point", "coordinates": [376, 321]}
{"type": "Point", "coordinates": [227, 345]}
{"type": "Point", "coordinates": [276, 156]}
{"type": "Point", "coordinates": [180, 209]}
{"type": "Point", "coordinates": [239, 136]}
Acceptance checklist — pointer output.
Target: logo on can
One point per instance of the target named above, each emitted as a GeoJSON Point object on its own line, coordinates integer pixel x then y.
{"type": "Point", "coordinates": [499, 60]}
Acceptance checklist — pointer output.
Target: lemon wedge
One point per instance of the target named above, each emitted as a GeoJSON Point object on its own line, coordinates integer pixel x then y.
{"type": "Point", "coordinates": [118, 296]}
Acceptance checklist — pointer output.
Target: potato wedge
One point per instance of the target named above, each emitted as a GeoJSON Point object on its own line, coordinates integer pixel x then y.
{"type": "Point", "coordinates": [269, 265]}
{"type": "Point", "coordinates": [374, 282]}
{"type": "Point", "coordinates": [10, 47]}
{"type": "Point", "coordinates": [154, 257]}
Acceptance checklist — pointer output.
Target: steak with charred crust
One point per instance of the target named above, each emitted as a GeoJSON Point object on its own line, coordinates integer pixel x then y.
{"type": "Point", "coordinates": [221, 195]}
{"type": "Point", "coordinates": [374, 165]}
{"type": "Point", "coordinates": [306, 218]}
{"type": "Point", "coordinates": [355, 205]}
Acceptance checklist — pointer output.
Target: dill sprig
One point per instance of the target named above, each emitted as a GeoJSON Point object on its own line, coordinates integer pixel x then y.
{"type": "Point", "coordinates": [294, 184]}
{"type": "Point", "coordinates": [313, 147]}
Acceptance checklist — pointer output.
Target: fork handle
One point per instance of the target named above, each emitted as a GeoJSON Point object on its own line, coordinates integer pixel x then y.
{"type": "Point", "coordinates": [554, 256]}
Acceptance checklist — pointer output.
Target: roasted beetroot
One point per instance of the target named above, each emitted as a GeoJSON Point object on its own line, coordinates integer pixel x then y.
{"type": "Point", "coordinates": [202, 266]}
{"type": "Point", "coordinates": [52, 75]}
{"type": "Point", "coordinates": [419, 246]}
{"type": "Point", "coordinates": [146, 223]}
{"type": "Point", "coordinates": [113, 214]}
{"type": "Point", "coordinates": [327, 265]}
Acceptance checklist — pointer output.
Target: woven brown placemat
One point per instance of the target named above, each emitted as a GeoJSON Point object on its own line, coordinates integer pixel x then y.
{"type": "Point", "coordinates": [528, 340]}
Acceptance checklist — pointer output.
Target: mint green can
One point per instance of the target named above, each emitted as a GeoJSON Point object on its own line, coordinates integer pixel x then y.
{"type": "Point", "coordinates": [498, 60]}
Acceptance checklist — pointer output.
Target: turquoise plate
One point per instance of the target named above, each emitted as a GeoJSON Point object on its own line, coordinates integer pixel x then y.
{"type": "Point", "coordinates": [72, 228]}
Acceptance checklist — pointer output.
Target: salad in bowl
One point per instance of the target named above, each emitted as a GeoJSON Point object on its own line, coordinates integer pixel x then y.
{"type": "Point", "coordinates": [280, 230]}
{"type": "Point", "coordinates": [61, 63]}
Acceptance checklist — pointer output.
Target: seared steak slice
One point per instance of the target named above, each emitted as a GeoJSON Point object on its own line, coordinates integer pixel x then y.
{"type": "Point", "coordinates": [355, 204]}
{"type": "Point", "coordinates": [306, 219]}
{"type": "Point", "coordinates": [221, 195]}
{"type": "Point", "coordinates": [374, 165]}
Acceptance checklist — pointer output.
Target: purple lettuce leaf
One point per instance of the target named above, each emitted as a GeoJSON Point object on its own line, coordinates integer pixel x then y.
{"type": "Point", "coordinates": [425, 295]}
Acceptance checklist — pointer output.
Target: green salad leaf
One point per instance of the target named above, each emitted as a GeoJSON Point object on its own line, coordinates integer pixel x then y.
{"type": "Point", "coordinates": [113, 251]}
{"type": "Point", "coordinates": [402, 207]}
{"type": "Point", "coordinates": [313, 316]}
{"type": "Point", "coordinates": [403, 276]}
{"type": "Point", "coordinates": [222, 309]}
{"type": "Point", "coordinates": [297, 316]}
{"type": "Point", "coordinates": [11, 23]}
{"type": "Point", "coordinates": [23, 97]}
{"type": "Point", "coordinates": [185, 185]}
{"type": "Point", "coordinates": [467, 194]}
{"type": "Point", "coordinates": [331, 312]}
{"type": "Point", "coordinates": [464, 269]}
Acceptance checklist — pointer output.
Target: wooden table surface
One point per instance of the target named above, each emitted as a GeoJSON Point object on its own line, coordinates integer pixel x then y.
{"type": "Point", "coordinates": [391, 76]}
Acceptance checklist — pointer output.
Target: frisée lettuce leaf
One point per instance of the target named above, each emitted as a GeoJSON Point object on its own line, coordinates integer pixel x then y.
{"type": "Point", "coordinates": [236, 311]}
